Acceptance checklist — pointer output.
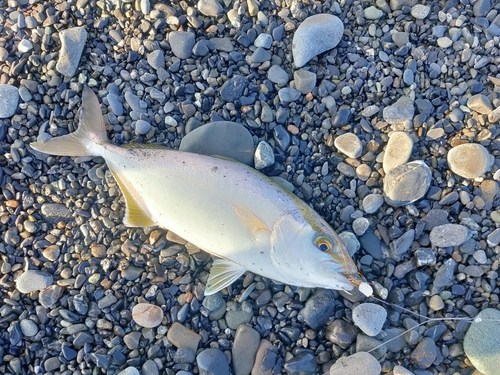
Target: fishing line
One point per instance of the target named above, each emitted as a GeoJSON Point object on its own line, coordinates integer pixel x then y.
{"type": "Point", "coordinates": [477, 319]}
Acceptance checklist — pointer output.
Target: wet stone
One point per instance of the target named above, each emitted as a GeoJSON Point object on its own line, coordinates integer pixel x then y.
{"type": "Point", "coordinates": [341, 333]}
{"type": "Point", "coordinates": [318, 308]}
{"type": "Point", "coordinates": [132, 273]}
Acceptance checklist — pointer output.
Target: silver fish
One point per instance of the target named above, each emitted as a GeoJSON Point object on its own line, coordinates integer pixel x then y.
{"type": "Point", "coordinates": [248, 221]}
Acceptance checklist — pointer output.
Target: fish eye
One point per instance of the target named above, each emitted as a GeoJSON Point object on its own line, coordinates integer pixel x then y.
{"type": "Point", "coordinates": [324, 243]}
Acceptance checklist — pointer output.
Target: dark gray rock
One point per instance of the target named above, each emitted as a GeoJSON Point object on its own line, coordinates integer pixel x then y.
{"type": "Point", "coordinates": [212, 362]}
{"type": "Point", "coordinates": [425, 353]}
{"type": "Point", "coordinates": [318, 309]}
{"type": "Point", "coordinates": [233, 88]}
{"type": "Point", "coordinates": [221, 138]}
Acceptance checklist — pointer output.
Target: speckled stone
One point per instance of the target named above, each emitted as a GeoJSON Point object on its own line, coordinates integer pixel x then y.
{"type": "Point", "coordinates": [349, 144]}
{"type": "Point", "coordinates": [369, 317]}
{"type": "Point", "coordinates": [9, 99]}
{"type": "Point", "coordinates": [397, 151]}
{"type": "Point", "coordinates": [356, 364]}
{"type": "Point", "coordinates": [32, 280]}
{"type": "Point", "coordinates": [72, 44]}
{"type": "Point", "coordinates": [407, 183]}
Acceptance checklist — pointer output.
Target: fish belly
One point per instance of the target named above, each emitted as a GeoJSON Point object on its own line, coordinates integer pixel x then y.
{"type": "Point", "coordinates": [197, 197]}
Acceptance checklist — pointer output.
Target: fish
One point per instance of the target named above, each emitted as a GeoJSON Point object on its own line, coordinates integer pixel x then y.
{"type": "Point", "coordinates": [245, 219]}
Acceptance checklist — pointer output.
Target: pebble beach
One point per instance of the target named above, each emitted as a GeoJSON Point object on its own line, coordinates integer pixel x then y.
{"type": "Point", "coordinates": [382, 115]}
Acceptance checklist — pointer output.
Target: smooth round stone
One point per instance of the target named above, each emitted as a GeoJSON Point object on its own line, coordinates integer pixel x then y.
{"type": "Point", "coordinates": [425, 353]}
{"type": "Point", "coordinates": [408, 76]}
{"type": "Point", "coordinates": [397, 151]}
{"type": "Point", "coordinates": [147, 315]}
{"type": "Point", "coordinates": [28, 327]}
{"type": "Point", "coordinates": [129, 371]}
{"type": "Point", "coordinates": [245, 345]}
{"type": "Point", "coordinates": [210, 8]}
{"type": "Point", "coordinates": [318, 308]}
{"type": "Point", "coordinates": [263, 40]}
{"type": "Point", "coordinates": [305, 81]}
{"type": "Point", "coordinates": [372, 202]}
{"type": "Point", "coordinates": [9, 99]}
{"type": "Point", "coordinates": [369, 317]}
{"type": "Point", "coordinates": [182, 43]}
{"type": "Point", "coordinates": [480, 103]}
{"type": "Point", "coordinates": [33, 280]}
{"type": "Point", "coordinates": [72, 44]}
{"type": "Point", "coordinates": [277, 75]}
{"type": "Point", "coordinates": [221, 138]}
{"type": "Point", "coordinates": [24, 46]}
{"type": "Point", "coordinates": [115, 104]}
{"type": "Point", "coordinates": [360, 225]}
{"type": "Point", "coordinates": [400, 38]}
{"type": "Point", "coordinates": [182, 337]}
{"type": "Point", "coordinates": [449, 235]}
{"type": "Point", "coordinates": [264, 155]}
{"type": "Point", "coordinates": [156, 59]}
{"type": "Point", "coordinates": [444, 42]}
{"type": "Point", "coordinates": [288, 95]}
{"type": "Point", "coordinates": [341, 333]}
{"type": "Point", "coordinates": [142, 127]}
{"type": "Point", "coordinates": [356, 364]}
{"type": "Point", "coordinates": [407, 183]}
{"type": "Point", "coordinates": [325, 29]}
{"type": "Point", "coordinates": [402, 110]}
{"type": "Point", "coordinates": [420, 11]}
{"type": "Point", "coordinates": [436, 303]}
{"type": "Point", "coordinates": [349, 144]}
{"type": "Point", "coordinates": [482, 343]}
{"type": "Point", "coordinates": [494, 115]}
{"type": "Point", "coordinates": [373, 13]}
{"type": "Point", "coordinates": [469, 160]}
{"type": "Point", "coordinates": [212, 361]}
{"type": "Point", "coordinates": [493, 238]}
{"type": "Point", "coordinates": [435, 133]}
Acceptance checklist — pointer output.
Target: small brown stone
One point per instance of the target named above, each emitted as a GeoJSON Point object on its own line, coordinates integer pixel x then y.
{"type": "Point", "coordinates": [293, 129]}
{"type": "Point", "coordinates": [12, 203]}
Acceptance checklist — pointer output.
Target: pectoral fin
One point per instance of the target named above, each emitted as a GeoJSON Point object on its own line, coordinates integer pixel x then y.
{"type": "Point", "coordinates": [136, 213]}
{"type": "Point", "coordinates": [260, 231]}
{"type": "Point", "coordinates": [223, 273]}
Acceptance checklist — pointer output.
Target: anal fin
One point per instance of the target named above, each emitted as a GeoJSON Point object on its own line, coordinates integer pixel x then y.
{"type": "Point", "coordinates": [136, 214]}
{"type": "Point", "coordinates": [223, 273]}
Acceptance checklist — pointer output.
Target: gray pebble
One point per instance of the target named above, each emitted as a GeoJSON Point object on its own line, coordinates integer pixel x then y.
{"type": "Point", "coordinates": [469, 160]}
{"type": "Point", "coordinates": [50, 295]}
{"type": "Point", "coordinates": [402, 110]}
{"type": "Point", "coordinates": [373, 13]}
{"type": "Point", "coordinates": [277, 75]}
{"type": "Point", "coordinates": [182, 43]}
{"type": "Point", "coordinates": [369, 317]}
{"type": "Point", "coordinates": [349, 144]}
{"type": "Point", "coordinates": [288, 95]}
{"type": "Point", "coordinates": [305, 81]}
{"type": "Point", "coordinates": [318, 308]}
{"type": "Point", "coordinates": [355, 364]}
{"type": "Point", "coordinates": [443, 276]}
{"type": "Point", "coordinates": [481, 343]}
{"type": "Point", "coordinates": [72, 44]}
{"type": "Point", "coordinates": [210, 8]}
{"type": "Point", "coordinates": [222, 44]}
{"type": "Point", "coordinates": [325, 29]}
{"type": "Point", "coordinates": [372, 245]}
{"type": "Point", "coordinates": [28, 327]}
{"type": "Point", "coordinates": [341, 333]}
{"type": "Point", "coordinates": [259, 56]}
{"type": "Point", "coordinates": [222, 138]}
{"type": "Point", "coordinates": [238, 314]}
{"type": "Point", "coordinates": [246, 343]}
{"type": "Point", "coordinates": [233, 88]}
{"type": "Point", "coordinates": [264, 155]}
{"type": "Point", "coordinates": [142, 127]}
{"type": "Point", "coordinates": [407, 183]}
{"type": "Point", "coordinates": [420, 11]}
{"type": "Point", "coordinates": [372, 202]}
{"type": "Point", "coordinates": [302, 363]}
{"type": "Point", "coordinates": [211, 362]}
{"type": "Point", "coordinates": [156, 59]}
{"type": "Point", "coordinates": [115, 104]}
{"type": "Point", "coordinates": [493, 238]}
{"type": "Point", "coordinates": [129, 371]}
{"type": "Point", "coordinates": [425, 353]}
{"type": "Point", "coordinates": [480, 103]}
{"type": "Point", "coordinates": [360, 225]}
{"type": "Point", "coordinates": [32, 280]}
{"type": "Point", "coordinates": [444, 42]}
{"type": "Point", "coordinates": [9, 98]}
{"type": "Point", "coordinates": [449, 235]}
{"type": "Point", "coordinates": [263, 40]}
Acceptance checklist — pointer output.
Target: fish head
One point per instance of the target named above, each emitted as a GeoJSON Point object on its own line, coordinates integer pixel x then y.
{"type": "Point", "coordinates": [307, 252]}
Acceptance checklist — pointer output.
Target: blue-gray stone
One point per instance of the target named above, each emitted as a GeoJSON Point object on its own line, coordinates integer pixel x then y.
{"type": "Point", "coordinates": [72, 44]}
{"type": "Point", "coordinates": [212, 362]}
{"type": "Point", "coordinates": [233, 88]}
{"type": "Point", "coordinates": [182, 43]}
{"type": "Point", "coordinates": [371, 244]}
{"type": "Point", "coordinates": [318, 309]}
{"type": "Point", "coordinates": [9, 98]}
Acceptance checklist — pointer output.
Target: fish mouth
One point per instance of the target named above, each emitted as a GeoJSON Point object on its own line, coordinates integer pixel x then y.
{"type": "Point", "coordinates": [335, 279]}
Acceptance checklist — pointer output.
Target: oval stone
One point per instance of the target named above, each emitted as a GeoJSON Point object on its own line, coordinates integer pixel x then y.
{"type": "Point", "coordinates": [147, 315]}
{"type": "Point", "coordinates": [469, 160]}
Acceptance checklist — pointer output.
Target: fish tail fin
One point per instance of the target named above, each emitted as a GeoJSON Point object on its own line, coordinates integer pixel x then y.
{"type": "Point", "coordinates": [91, 132]}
